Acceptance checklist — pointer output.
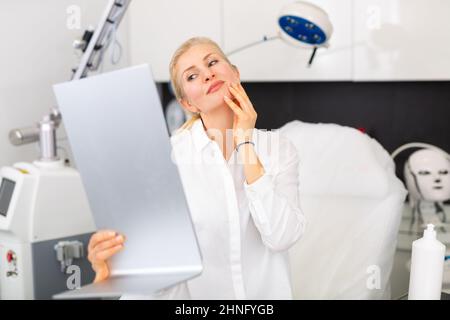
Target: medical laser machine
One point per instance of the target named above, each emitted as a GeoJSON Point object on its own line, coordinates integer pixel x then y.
{"type": "Point", "coordinates": [45, 219]}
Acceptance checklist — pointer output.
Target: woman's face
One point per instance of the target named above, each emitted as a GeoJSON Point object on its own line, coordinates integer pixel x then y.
{"type": "Point", "coordinates": [205, 76]}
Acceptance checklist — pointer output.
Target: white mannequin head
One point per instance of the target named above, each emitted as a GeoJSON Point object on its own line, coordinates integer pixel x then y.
{"type": "Point", "coordinates": [427, 174]}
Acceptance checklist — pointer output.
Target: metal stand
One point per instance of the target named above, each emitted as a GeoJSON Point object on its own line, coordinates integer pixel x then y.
{"type": "Point", "coordinates": [45, 130]}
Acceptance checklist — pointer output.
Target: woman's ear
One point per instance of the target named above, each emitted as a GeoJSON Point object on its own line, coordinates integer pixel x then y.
{"type": "Point", "coordinates": [186, 105]}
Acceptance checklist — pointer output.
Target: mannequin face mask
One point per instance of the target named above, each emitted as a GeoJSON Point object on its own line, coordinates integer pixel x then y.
{"type": "Point", "coordinates": [427, 174]}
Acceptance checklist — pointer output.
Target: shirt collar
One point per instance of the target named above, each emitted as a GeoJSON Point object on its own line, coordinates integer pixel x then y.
{"type": "Point", "coordinates": [199, 135]}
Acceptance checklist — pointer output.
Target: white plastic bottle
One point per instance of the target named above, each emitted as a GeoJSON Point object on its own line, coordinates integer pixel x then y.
{"type": "Point", "coordinates": [427, 267]}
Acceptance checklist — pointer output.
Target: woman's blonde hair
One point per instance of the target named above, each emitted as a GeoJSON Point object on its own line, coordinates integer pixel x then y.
{"type": "Point", "coordinates": [175, 80]}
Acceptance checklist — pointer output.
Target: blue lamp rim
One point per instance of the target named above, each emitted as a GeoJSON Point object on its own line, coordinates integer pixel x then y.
{"type": "Point", "coordinates": [300, 29]}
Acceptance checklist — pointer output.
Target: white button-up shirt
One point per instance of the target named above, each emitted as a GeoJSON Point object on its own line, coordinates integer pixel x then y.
{"type": "Point", "coordinates": [243, 230]}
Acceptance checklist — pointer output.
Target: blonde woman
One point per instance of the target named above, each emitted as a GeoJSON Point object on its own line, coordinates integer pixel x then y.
{"type": "Point", "coordinates": [241, 185]}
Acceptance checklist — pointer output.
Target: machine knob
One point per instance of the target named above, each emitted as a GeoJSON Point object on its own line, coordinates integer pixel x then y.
{"type": "Point", "coordinates": [10, 256]}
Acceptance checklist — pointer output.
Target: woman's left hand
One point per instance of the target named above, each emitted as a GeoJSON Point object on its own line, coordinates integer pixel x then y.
{"type": "Point", "coordinates": [244, 113]}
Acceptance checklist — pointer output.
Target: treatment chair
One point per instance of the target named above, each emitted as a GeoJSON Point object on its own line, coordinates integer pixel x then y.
{"type": "Point", "coordinates": [353, 203]}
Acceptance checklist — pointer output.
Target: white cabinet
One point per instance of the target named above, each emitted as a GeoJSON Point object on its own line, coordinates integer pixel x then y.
{"type": "Point", "coordinates": [158, 27]}
{"type": "Point", "coordinates": [372, 39]}
{"type": "Point", "coordinates": [401, 40]}
{"type": "Point", "coordinates": [250, 20]}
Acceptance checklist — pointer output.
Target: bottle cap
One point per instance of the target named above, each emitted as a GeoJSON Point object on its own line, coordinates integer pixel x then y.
{"type": "Point", "coordinates": [429, 232]}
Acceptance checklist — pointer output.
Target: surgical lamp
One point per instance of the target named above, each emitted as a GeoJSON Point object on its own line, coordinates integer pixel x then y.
{"type": "Point", "coordinates": [301, 24]}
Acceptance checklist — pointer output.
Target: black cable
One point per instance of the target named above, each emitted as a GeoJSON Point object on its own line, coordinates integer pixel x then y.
{"type": "Point", "coordinates": [312, 57]}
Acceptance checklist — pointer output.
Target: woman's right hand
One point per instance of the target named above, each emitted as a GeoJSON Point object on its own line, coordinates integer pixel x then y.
{"type": "Point", "coordinates": [102, 246]}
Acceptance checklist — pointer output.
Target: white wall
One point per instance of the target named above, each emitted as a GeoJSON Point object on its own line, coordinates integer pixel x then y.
{"type": "Point", "coordinates": [158, 27]}
{"type": "Point", "coordinates": [36, 53]}
{"type": "Point", "coordinates": [401, 40]}
{"type": "Point", "coordinates": [373, 40]}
